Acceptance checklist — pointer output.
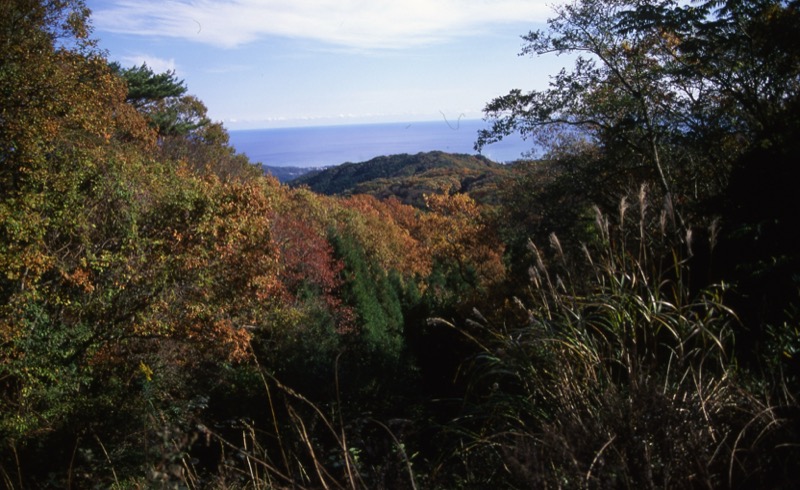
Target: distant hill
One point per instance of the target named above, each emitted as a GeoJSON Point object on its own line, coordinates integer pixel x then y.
{"type": "Point", "coordinates": [287, 174]}
{"type": "Point", "coordinates": [410, 176]}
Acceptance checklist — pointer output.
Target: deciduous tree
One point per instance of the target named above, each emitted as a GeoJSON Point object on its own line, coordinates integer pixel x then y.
{"type": "Point", "coordinates": [653, 83]}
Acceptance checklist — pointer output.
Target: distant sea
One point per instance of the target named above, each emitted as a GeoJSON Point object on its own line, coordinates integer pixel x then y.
{"type": "Point", "coordinates": [324, 146]}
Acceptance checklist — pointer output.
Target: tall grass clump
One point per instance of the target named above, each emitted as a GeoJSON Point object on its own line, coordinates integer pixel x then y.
{"type": "Point", "coordinates": [621, 376]}
{"type": "Point", "coordinates": [293, 441]}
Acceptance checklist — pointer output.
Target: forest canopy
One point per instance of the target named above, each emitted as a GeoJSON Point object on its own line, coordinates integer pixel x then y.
{"type": "Point", "coordinates": [620, 313]}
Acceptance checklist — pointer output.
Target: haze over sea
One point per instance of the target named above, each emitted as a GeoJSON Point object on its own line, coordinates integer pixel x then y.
{"type": "Point", "coordinates": [324, 146]}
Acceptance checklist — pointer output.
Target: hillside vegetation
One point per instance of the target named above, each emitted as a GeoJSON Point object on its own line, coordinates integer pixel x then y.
{"type": "Point", "coordinates": [410, 177]}
{"type": "Point", "coordinates": [621, 314]}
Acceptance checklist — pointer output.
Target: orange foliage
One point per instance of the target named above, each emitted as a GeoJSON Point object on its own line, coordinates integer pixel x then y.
{"type": "Point", "coordinates": [207, 263]}
{"type": "Point", "coordinates": [387, 230]}
{"type": "Point", "coordinates": [306, 254]}
{"type": "Point", "coordinates": [456, 232]}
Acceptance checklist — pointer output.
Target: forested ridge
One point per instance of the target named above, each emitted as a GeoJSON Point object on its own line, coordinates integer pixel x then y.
{"type": "Point", "coordinates": [622, 312]}
{"type": "Point", "coordinates": [410, 177]}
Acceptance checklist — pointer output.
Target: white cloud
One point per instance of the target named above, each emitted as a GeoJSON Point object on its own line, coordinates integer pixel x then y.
{"type": "Point", "coordinates": [158, 65]}
{"type": "Point", "coordinates": [367, 24]}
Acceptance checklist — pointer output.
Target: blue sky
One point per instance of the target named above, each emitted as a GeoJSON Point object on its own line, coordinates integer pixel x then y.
{"type": "Point", "coordinates": [282, 63]}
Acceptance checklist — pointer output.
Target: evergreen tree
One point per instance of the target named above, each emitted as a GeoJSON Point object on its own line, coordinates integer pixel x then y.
{"type": "Point", "coordinates": [146, 88]}
{"type": "Point", "coordinates": [375, 301]}
{"type": "Point", "coordinates": [162, 98]}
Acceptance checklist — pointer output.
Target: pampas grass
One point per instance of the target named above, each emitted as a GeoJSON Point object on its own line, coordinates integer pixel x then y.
{"type": "Point", "coordinates": [621, 379]}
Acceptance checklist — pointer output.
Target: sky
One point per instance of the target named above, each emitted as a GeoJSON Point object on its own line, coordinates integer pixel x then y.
{"type": "Point", "coordinates": [286, 63]}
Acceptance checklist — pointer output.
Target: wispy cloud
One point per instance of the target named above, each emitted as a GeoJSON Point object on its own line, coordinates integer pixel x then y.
{"type": "Point", "coordinates": [158, 65]}
{"type": "Point", "coordinates": [372, 24]}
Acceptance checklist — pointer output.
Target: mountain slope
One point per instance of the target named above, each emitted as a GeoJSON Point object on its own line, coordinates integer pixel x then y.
{"type": "Point", "coordinates": [408, 177]}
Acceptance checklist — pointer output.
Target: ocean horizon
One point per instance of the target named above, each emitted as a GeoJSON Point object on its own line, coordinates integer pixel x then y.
{"type": "Point", "coordinates": [323, 146]}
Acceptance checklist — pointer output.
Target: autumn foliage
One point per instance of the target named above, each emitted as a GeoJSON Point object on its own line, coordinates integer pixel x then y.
{"type": "Point", "coordinates": [171, 317]}
{"type": "Point", "coordinates": [137, 260]}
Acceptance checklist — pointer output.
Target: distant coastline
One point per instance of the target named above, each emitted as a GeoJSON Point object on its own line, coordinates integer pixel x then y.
{"type": "Point", "coordinates": [321, 146]}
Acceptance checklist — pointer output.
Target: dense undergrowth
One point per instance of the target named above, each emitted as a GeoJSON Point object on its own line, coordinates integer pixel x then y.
{"type": "Point", "coordinates": [619, 314]}
{"type": "Point", "coordinates": [628, 381]}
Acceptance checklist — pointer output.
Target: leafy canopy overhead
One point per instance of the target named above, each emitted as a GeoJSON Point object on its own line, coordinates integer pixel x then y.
{"type": "Point", "coordinates": [653, 82]}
